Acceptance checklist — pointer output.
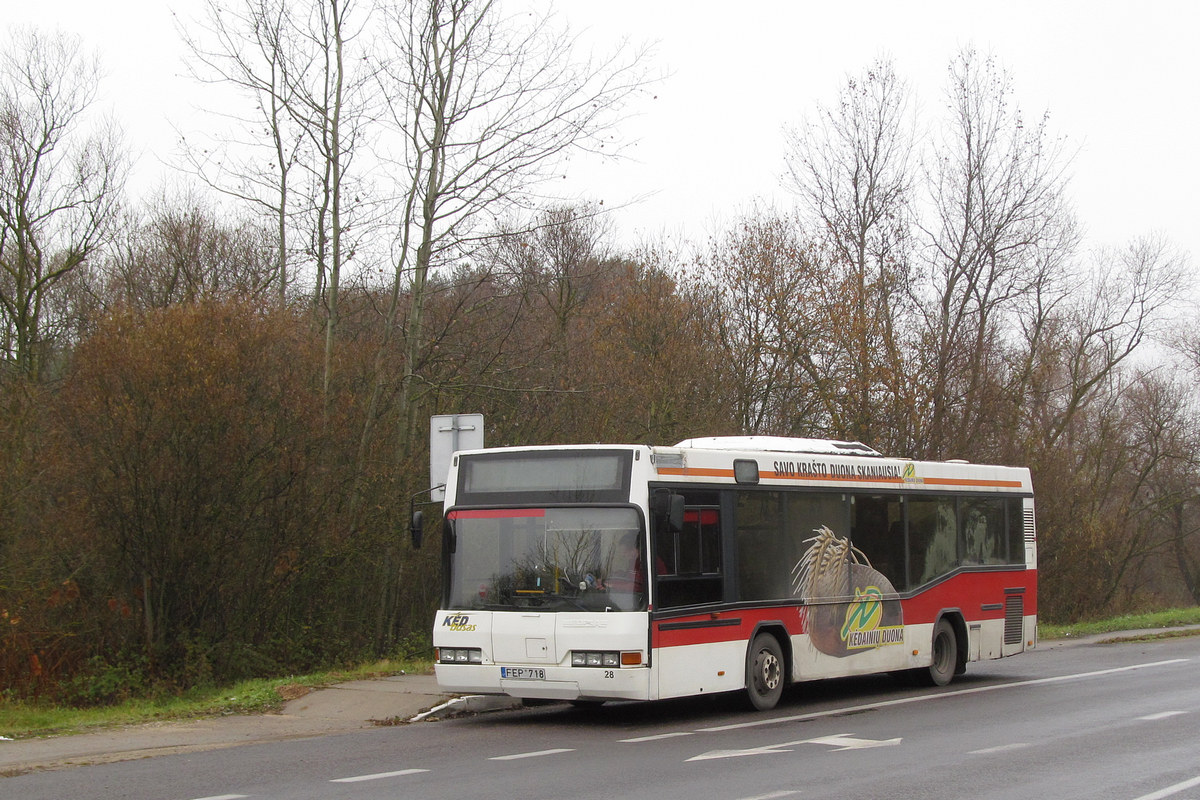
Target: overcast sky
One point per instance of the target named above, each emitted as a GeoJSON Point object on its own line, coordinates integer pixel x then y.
{"type": "Point", "coordinates": [1121, 82]}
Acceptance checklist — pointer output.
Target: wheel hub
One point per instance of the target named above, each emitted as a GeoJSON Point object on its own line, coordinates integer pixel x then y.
{"type": "Point", "coordinates": [768, 670]}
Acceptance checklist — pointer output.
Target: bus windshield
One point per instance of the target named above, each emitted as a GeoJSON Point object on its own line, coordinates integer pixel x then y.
{"type": "Point", "coordinates": [548, 559]}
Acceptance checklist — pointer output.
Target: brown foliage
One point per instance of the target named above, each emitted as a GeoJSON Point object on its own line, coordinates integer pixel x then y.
{"type": "Point", "coordinates": [192, 486]}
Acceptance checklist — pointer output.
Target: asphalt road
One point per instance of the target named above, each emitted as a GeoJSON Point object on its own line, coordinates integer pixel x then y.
{"type": "Point", "coordinates": [1117, 721]}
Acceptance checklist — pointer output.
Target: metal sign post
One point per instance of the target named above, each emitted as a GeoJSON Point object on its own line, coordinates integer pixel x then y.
{"type": "Point", "coordinates": [449, 433]}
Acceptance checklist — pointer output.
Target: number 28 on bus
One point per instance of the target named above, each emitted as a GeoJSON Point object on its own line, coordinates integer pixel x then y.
{"type": "Point", "coordinates": [600, 572]}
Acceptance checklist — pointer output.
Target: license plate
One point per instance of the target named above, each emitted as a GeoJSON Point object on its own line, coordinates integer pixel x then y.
{"type": "Point", "coordinates": [523, 673]}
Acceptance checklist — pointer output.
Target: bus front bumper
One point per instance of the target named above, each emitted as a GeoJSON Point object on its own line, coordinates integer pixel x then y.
{"type": "Point", "coordinates": [545, 683]}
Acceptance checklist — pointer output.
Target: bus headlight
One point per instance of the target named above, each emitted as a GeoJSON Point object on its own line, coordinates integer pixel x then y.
{"type": "Point", "coordinates": [460, 655]}
{"type": "Point", "coordinates": [595, 658]}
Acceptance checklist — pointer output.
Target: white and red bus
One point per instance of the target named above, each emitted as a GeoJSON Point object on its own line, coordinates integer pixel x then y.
{"type": "Point", "coordinates": [599, 572]}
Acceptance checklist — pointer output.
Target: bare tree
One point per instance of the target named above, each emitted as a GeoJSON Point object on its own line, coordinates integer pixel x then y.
{"type": "Point", "coordinates": [60, 182]}
{"type": "Point", "coordinates": [852, 169]}
{"type": "Point", "coordinates": [485, 108]}
{"type": "Point", "coordinates": [1164, 412]}
{"type": "Point", "coordinates": [330, 105]}
{"type": "Point", "coordinates": [1120, 308]}
{"type": "Point", "coordinates": [182, 250]}
{"type": "Point", "coordinates": [764, 283]}
{"type": "Point", "coordinates": [303, 66]}
{"type": "Point", "coordinates": [1000, 225]}
{"type": "Point", "coordinates": [250, 46]}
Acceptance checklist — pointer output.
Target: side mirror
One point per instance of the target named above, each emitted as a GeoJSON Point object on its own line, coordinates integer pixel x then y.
{"type": "Point", "coordinates": [415, 529]}
{"type": "Point", "coordinates": [675, 513]}
{"type": "Point", "coordinates": [667, 508]}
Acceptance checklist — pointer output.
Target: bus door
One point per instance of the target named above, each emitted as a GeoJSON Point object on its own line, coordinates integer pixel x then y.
{"type": "Point", "coordinates": [697, 651]}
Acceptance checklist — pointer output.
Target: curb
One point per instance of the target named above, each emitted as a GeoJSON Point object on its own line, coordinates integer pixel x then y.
{"type": "Point", "coordinates": [1119, 637]}
{"type": "Point", "coordinates": [469, 704]}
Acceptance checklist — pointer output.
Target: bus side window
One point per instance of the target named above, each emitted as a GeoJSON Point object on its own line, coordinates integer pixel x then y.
{"type": "Point", "coordinates": [877, 532]}
{"type": "Point", "coordinates": [932, 538]}
{"type": "Point", "coordinates": [1014, 513]}
{"type": "Point", "coordinates": [983, 531]}
{"type": "Point", "coordinates": [775, 530]}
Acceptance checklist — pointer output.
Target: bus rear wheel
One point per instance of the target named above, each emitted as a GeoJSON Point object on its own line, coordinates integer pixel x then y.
{"type": "Point", "coordinates": [764, 672]}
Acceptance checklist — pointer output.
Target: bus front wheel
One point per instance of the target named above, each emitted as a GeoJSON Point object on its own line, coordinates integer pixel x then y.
{"type": "Point", "coordinates": [764, 672]}
{"type": "Point", "coordinates": [944, 659]}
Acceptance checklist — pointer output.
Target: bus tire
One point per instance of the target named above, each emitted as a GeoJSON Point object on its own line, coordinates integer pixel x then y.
{"type": "Point", "coordinates": [764, 672]}
{"type": "Point", "coordinates": [944, 656]}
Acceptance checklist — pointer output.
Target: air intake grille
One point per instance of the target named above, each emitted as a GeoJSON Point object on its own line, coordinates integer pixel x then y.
{"type": "Point", "coordinates": [1014, 619]}
{"type": "Point", "coordinates": [1030, 531]}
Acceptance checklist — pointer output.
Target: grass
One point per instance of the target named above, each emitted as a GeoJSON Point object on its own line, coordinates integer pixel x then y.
{"type": "Point", "coordinates": [22, 720]}
{"type": "Point", "coordinates": [1129, 622]}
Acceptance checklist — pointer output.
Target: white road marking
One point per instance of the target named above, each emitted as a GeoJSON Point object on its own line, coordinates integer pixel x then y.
{"type": "Point", "coordinates": [772, 795]}
{"type": "Point", "coordinates": [534, 754]}
{"type": "Point", "coordinates": [378, 776]}
{"type": "Point", "coordinates": [753, 751]}
{"type": "Point", "coordinates": [1170, 790]}
{"type": "Point", "coordinates": [1004, 748]}
{"type": "Point", "coordinates": [656, 737]}
{"type": "Point", "coordinates": [838, 741]}
{"type": "Point", "coordinates": [938, 696]}
{"type": "Point", "coordinates": [846, 741]}
{"type": "Point", "coordinates": [1161, 715]}
{"type": "Point", "coordinates": [225, 797]}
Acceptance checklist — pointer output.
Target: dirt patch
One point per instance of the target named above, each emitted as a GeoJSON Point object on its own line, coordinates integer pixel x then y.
{"type": "Point", "coordinates": [292, 691]}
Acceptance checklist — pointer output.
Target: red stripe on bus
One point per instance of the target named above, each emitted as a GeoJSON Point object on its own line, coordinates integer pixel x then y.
{"type": "Point", "coordinates": [968, 593]}
{"type": "Point", "coordinates": [734, 625]}
{"type": "Point", "coordinates": [498, 513]}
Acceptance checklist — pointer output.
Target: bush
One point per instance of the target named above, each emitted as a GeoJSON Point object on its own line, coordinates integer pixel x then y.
{"type": "Point", "coordinates": [104, 684]}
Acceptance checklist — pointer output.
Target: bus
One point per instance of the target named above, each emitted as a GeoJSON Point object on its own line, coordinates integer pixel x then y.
{"type": "Point", "coordinates": [632, 572]}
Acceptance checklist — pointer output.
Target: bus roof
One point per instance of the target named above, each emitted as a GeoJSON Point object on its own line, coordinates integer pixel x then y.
{"type": "Point", "coordinates": [779, 461]}
{"type": "Point", "coordinates": [780, 444]}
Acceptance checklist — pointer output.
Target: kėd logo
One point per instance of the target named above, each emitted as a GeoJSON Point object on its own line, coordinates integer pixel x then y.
{"type": "Point", "coordinates": [458, 622]}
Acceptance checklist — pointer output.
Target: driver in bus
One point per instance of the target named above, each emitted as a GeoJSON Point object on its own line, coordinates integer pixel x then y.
{"type": "Point", "coordinates": [629, 572]}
